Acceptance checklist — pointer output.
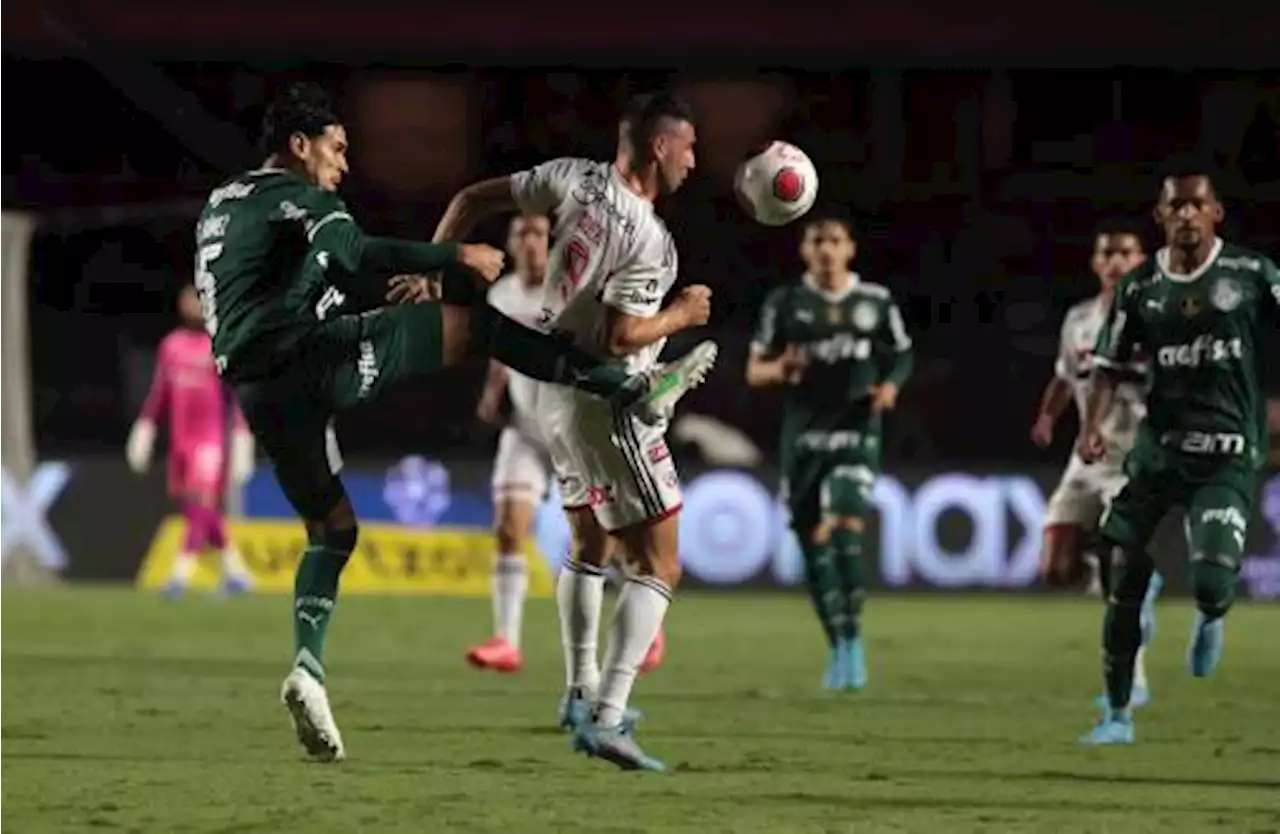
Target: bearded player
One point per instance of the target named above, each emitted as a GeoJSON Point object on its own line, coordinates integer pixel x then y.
{"type": "Point", "coordinates": [838, 345]}
{"type": "Point", "coordinates": [1199, 310]}
{"type": "Point", "coordinates": [277, 252]}
{"type": "Point", "coordinates": [208, 441]}
{"type": "Point", "coordinates": [1071, 520]}
{"type": "Point", "coordinates": [613, 263]}
{"type": "Point", "coordinates": [522, 468]}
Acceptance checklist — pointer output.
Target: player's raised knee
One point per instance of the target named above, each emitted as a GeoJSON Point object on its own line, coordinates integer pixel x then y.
{"type": "Point", "coordinates": [1213, 580]}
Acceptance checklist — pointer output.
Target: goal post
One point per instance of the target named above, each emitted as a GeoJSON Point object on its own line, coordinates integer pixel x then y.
{"type": "Point", "coordinates": [21, 563]}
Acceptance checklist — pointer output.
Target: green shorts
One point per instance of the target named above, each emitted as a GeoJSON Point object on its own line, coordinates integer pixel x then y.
{"type": "Point", "coordinates": [1217, 492]}
{"type": "Point", "coordinates": [830, 478]}
{"type": "Point", "coordinates": [345, 361]}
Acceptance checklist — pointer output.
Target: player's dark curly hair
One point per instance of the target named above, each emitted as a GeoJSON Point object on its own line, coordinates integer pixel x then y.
{"type": "Point", "coordinates": [1181, 166]}
{"type": "Point", "coordinates": [831, 214]}
{"type": "Point", "coordinates": [302, 108]}
{"type": "Point", "coordinates": [1119, 226]}
{"type": "Point", "coordinates": [643, 117]}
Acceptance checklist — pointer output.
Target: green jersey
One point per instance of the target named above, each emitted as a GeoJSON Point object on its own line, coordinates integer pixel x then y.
{"type": "Point", "coordinates": [1202, 336]}
{"type": "Point", "coordinates": [854, 340]}
{"type": "Point", "coordinates": [273, 253]}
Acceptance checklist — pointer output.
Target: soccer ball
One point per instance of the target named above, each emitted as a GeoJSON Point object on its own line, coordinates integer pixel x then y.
{"type": "Point", "coordinates": [776, 185]}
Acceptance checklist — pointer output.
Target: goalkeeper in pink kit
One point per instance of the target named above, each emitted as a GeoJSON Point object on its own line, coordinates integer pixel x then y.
{"type": "Point", "coordinates": [208, 442]}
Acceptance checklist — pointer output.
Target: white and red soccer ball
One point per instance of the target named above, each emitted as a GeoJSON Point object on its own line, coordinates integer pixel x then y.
{"type": "Point", "coordinates": [777, 185]}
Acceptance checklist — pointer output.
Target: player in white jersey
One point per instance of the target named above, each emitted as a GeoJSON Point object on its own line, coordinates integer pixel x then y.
{"type": "Point", "coordinates": [522, 467]}
{"type": "Point", "coordinates": [611, 267]}
{"type": "Point", "coordinates": [1077, 504]}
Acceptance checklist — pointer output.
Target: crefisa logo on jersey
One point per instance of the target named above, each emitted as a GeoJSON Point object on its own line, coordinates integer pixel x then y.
{"type": "Point", "coordinates": [1226, 294]}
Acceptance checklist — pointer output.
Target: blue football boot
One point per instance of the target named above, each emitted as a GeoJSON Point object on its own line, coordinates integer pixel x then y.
{"type": "Point", "coordinates": [1114, 727]}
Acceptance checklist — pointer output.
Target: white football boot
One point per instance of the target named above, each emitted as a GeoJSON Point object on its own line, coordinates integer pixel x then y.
{"type": "Point", "coordinates": [308, 706]}
{"type": "Point", "coordinates": [670, 381]}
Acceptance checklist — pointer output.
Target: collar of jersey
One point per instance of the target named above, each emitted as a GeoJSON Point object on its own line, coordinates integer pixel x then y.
{"type": "Point", "coordinates": [1162, 261]}
{"type": "Point", "coordinates": [832, 297]}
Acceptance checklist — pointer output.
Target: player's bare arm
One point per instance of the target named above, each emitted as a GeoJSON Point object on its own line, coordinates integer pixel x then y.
{"type": "Point", "coordinates": [489, 406]}
{"type": "Point", "coordinates": [787, 368]}
{"type": "Point", "coordinates": [1057, 395]}
{"type": "Point", "coordinates": [625, 334]}
{"type": "Point", "coordinates": [1091, 445]}
{"type": "Point", "coordinates": [473, 204]}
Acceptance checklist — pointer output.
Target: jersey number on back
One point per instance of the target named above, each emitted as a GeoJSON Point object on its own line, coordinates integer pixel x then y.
{"type": "Point", "coordinates": [206, 285]}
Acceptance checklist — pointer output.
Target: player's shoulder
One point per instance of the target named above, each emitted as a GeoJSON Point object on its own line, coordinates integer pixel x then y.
{"type": "Point", "coordinates": [1243, 259]}
{"type": "Point", "coordinates": [503, 286]}
{"type": "Point", "coordinates": [864, 289]}
{"type": "Point", "coordinates": [1144, 275]}
{"type": "Point", "coordinates": [781, 294]}
{"type": "Point", "coordinates": [1081, 310]}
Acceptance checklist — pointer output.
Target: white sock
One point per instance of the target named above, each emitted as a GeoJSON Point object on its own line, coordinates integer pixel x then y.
{"type": "Point", "coordinates": [232, 564]}
{"type": "Point", "coordinates": [636, 622]}
{"type": "Point", "coordinates": [1140, 668]}
{"type": "Point", "coordinates": [510, 584]}
{"type": "Point", "coordinates": [184, 567]}
{"type": "Point", "coordinates": [579, 595]}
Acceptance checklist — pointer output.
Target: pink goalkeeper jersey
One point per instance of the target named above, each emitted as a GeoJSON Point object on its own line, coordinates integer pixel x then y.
{"type": "Point", "coordinates": [187, 386]}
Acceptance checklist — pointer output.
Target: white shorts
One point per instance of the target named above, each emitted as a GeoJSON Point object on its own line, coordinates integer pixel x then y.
{"type": "Point", "coordinates": [1084, 492]}
{"type": "Point", "coordinates": [607, 460]}
{"type": "Point", "coordinates": [521, 469]}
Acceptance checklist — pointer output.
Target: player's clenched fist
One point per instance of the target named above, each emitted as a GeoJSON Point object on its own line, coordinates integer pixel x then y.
{"type": "Point", "coordinates": [1091, 446]}
{"type": "Point", "coordinates": [482, 258]}
{"type": "Point", "coordinates": [694, 304]}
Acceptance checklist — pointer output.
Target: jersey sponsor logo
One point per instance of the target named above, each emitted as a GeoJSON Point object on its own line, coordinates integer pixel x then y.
{"type": "Point", "coordinates": [1226, 294]}
{"type": "Point", "coordinates": [1249, 264]}
{"type": "Point", "coordinates": [840, 347]}
{"type": "Point", "coordinates": [600, 495]}
{"type": "Point", "coordinates": [866, 316]}
{"type": "Point", "coordinates": [658, 452]}
{"type": "Point", "coordinates": [833, 441]}
{"type": "Point", "coordinates": [366, 368]}
{"type": "Point", "coordinates": [592, 189]}
{"type": "Point", "coordinates": [1204, 349]}
{"type": "Point", "coordinates": [1205, 442]}
{"type": "Point", "coordinates": [230, 191]}
{"type": "Point", "coordinates": [331, 299]}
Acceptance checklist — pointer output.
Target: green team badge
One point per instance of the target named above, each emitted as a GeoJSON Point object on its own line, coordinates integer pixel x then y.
{"type": "Point", "coordinates": [865, 316]}
{"type": "Point", "coordinates": [1226, 294]}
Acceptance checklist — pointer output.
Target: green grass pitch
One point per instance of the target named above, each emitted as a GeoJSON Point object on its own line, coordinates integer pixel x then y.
{"type": "Point", "coordinates": [126, 713]}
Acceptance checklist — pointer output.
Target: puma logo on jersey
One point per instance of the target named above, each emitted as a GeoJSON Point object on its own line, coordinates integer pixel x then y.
{"type": "Point", "coordinates": [1196, 353]}
{"type": "Point", "coordinates": [1156, 304]}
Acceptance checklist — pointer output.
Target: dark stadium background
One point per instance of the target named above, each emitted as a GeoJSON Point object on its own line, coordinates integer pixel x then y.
{"type": "Point", "coordinates": [976, 153]}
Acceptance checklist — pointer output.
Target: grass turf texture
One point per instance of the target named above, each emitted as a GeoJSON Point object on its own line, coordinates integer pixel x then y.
{"type": "Point", "coordinates": [123, 712]}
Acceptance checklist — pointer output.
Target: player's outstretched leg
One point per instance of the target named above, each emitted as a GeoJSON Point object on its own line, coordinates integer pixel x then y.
{"type": "Point", "coordinates": [235, 575]}
{"type": "Point", "coordinates": [1214, 587]}
{"type": "Point", "coordinates": [845, 545]}
{"type": "Point", "coordinates": [187, 560]}
{"type": "Point", "coordinates": [315, 592]}
{"type": "Point", "coordinates": [823, 584]}
{"type": "Point", "coordinates": [651, 396]}
{"type": "Point", "coordinates": [637, 620]}
{"type": "Point", "coordinates": [1141, 694]}
{"type": "Point", "coordinates": [1131, 570]}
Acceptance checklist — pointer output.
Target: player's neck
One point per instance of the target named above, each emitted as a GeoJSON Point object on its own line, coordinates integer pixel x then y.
{"type": "Point", "coordinates": [833, 281]}
{"type": "Point", "coordinates": [1186, 261]}
{"type": "Point", "coordinates": [532, 280]}
{"type": "Point", "coordinates": [643, 181]}
{"type": "Point", "coordinates": [280, 162]}
{"type": "Point", "coordinates": [1105, 295]}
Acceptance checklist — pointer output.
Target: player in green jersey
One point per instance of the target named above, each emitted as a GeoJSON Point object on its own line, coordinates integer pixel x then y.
{"type": "Point", "coordinates": [277, 253]}
{"type": "Point", "coordinates": [838, 343]}
{"type": "Point", "coordinates": [1199, 310]}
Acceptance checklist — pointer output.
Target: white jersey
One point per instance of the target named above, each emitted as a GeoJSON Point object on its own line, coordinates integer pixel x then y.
{"type": "Point", "coordinates": [611, 251]}
{"type": "Point", "coordinates": [1075, 363]}
{"type": "Point", "coordinates": [513, 298]}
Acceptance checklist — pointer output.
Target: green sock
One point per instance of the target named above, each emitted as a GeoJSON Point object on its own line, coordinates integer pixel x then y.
{"type": "Point", "coordinates": [315, 592]}
{"type": "Point", "coordinates": [550, 359]}
{"type": "Point", "coordinates": [1122, 627]}
{"type": "Point", "coordinates": [824, 589]}
{"type": "Point", "coordinates": [846, 555]}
